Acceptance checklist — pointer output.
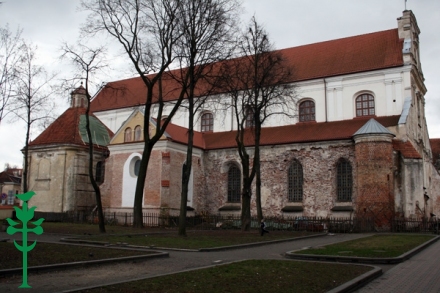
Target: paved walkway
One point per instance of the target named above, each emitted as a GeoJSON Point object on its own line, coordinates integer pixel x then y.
{"type": "Point", "coordinates": [419, 267]}
{"type": "Point", "coordinates": [419, 274]}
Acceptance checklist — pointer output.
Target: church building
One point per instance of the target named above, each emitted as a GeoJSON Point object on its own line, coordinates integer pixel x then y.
{"type": "Point", "coordinates": [358, 143]}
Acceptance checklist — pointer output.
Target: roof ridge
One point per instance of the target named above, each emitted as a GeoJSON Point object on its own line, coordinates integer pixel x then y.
{"type": "Point", "coordinates": [340, 39]}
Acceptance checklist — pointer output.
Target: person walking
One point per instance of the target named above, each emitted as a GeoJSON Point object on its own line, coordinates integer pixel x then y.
{"type": "Point", "coordinates": [263, 227]}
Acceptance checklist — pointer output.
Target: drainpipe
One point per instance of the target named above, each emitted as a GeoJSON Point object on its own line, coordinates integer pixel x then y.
{"type": "Point", "coordinates": [325, 99]}
{"type": "Point", "coordinates": [232, 114]}
{"type": "Point", "coordinates": [64, 182]}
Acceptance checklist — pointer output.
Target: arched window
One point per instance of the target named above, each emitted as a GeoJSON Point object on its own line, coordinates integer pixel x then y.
{"type": "Point", "coordinates": [365, 105]}
{"type": "Point", "coordinates": [207, 122]}
{"type": "Point", "coordinates": [344, 180]}
{"type": "Point", "coordinates": [100, 172]}
{"type": "Point", "coordinates": [136, 167]}
{"type": "Point", "coordinates": [250, 122]}
{"type": "Point", "coordinates": [234, 183]}
{"type": "Point", "coordinates": [295, 181]}
{"type": "Point", "coordinates": [307, 111]}
{"type": "Point", "coordinates": [137, 133]}
{"type": "Point", "coordinates": [127, 135]}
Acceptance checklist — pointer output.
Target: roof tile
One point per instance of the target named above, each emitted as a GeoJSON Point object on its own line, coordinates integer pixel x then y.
{"type": "Point", "coordinates": [297, 133]}
{"type": "Point", "coordinates": [64, 130]}
{"type": "Point", "coordinates": [407, 149]}
{"type": "Point", "coordinates": [435, 148]}
{"type": "Point", "coordinates": [325, 59]}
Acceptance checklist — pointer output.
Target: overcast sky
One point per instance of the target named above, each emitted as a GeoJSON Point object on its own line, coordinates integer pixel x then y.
{"type": "Point", "coordinates": [48, 23]}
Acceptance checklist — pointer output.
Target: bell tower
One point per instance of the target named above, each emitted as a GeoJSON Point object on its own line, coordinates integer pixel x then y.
{"type": "Point", "coordinates": [78, 97]}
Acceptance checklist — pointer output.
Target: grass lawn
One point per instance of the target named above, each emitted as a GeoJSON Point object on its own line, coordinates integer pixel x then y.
{"type": "Point", "coordinates": [90, 229]}
{"type": "Point", "coordinates": [374, 246]}
{"type": "Point", "coordinates": [197, 239]}
{"type": "Point", "coordinates": [48, 253]}
{"type": "Point", "coordinates": [249, 276]}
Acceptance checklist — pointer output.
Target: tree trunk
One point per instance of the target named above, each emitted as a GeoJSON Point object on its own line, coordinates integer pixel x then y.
{"type": "Point", "coordinates": [258, 193]}
{"type": "Point", "coordinates": [187, 171]}
{"type": "Point", "coordinates": [26, 158]}
{"type": "Point", "coordinates": [140, 184]}
{"type": "Point", "coordinates": [246, 208]}
{"type": "Point", "coordinates": [257, 167]}
{"type": "Point", "coordinates": [91, 175]}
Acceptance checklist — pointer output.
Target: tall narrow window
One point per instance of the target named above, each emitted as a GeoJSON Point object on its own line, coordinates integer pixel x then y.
{"type": "Point", "coordinates": [344, 180]}
{"type": "Point", "coordinates": [100, 169]}
{"type": "Point", "coordinates": [127, 135]}
{"type": "Point", "coordinates": [11, 197]}
{"type": "Point", "coordinates": [295, 181]}
{"type": "Point", "coordinates": [137, 133]}
{"type": "Point", "coordinates": [250, 122]}
{"type": "Point", "coordinates": [307, 111]}
{"type": "Point", "coordinates": [365, 105]}
{"type": "Point", "coordinates": [137, 167]}
{"type": "Point", "coordinates": [207, 122]}
{"type": "Point", "coordinates": [234, 182]}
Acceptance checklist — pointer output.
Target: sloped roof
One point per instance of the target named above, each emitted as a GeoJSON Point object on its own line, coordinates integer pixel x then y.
{"type": "Point", "coordinates": [435, 148]}
{"type": "Point", "coordinates": [79, 90]}
{"type": "Point", "coordinates": [361, 53]}
{"type": "Point", "coordinates": [298, 133]}
{"type": "Point", "coordinates": [373, 127]}
{"type": "Point", "coordinates": [179, 134]}
{"type": "Point", "coordinates": [8, 176]}
{"type": "Point", "coordinates": [66, 129]}
{"type": "Point", "coordinates": [407, 149]}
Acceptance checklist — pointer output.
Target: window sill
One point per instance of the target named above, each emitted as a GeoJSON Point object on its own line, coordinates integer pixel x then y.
{"type": "Point", "coordinates": [342, 208]}
{"type": "Point", "coordinates": [292, 209]}
{"type": "Point", "coordinates": [230, 207]}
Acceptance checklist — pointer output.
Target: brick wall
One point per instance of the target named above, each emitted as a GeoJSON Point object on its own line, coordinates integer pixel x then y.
{"type": "Point", "coordinates": [319, 169]}
{"type": "Point", "coordinates": [374, 163]}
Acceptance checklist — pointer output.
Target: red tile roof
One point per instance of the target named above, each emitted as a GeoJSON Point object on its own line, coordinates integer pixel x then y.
{"type": "Point", "coordinates": [331, 58]}
{"type": "Point", "coordinates": [407, 149]}
{"type": "Point", "coordinates": [180, 134]}
{"type": "Point", "coordinates": [297, 133]}
{"type": "Point", "coordinates": [435, 147]}
{"type": "Point", "coordinates": [64, 130]}
{"type": "Point", "coordinates": [8, 176]}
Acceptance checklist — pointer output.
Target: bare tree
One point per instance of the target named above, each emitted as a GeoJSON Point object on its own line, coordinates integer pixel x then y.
{"type": "Point", "coordinates": [11, 48]}
{"type": "Point", "coordinates": [208, 27]}
{"type": "Point", "coordinates": [147, 30]}
{"type": "Point", "coordinates": [259, 83]}
{"type": "Point", "coordinates": [88, 61]}
{"type": "Point", "coordinates": [32, 101]}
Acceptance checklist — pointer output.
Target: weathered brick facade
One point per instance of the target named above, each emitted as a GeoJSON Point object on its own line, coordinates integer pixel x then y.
{"type": "Point", "coordinates": [375, 177]}
{"type": "Point", "coordinates": [210, 179]}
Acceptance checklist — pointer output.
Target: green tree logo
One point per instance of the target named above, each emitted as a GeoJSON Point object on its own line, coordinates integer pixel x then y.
{"type": "Point", "coordinates": [25, 215]}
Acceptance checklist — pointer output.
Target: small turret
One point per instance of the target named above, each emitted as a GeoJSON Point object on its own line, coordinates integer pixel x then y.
{"type": "Point", "coordinates": [78, 97]}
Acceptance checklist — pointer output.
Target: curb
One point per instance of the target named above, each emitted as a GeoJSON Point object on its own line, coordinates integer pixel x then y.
{"type": "Point", "coordinates": [258, 243]}
{"type": "Point", "coordinates": [375, 260]}
{"type": "Point", "coordinates": [148, 277]}
{"type": "Point", "coordinates": [213, 249]}
{"type": "Point", "coordinates": [358, 282]}
{"type": "Point", "coordinates": [69, 265]}
{"type": "Point", "coordinates": [344, 288]}
{"type": "Point", "coordinates": [81, 241]}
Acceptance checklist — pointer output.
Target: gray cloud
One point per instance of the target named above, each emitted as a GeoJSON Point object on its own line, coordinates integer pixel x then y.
{"type": "Point", "coordinates": [288, 22]}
